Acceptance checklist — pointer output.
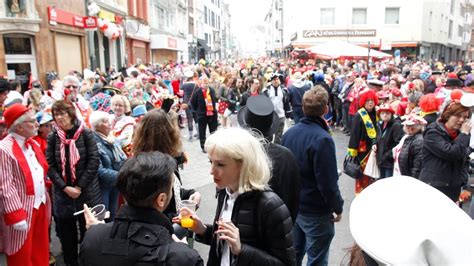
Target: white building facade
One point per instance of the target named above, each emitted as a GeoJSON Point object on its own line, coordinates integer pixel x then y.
{"type": "Point", "coordinates": [169, 27]}
{"type": "Point", "coordinates": [420, 29]}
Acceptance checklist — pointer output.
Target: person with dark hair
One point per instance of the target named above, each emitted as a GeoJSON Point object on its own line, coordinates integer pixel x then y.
{"type": "Point", "coordinates": [320, 204]}
{"type": "Point", "coordinates": [259, 116]}
{"type": "Point", "coordinates": [73, 161]}
{"type": "Point", "coordinates": [446, 150]}
{"type": "Point", "coordinates": [204, 103]}
{"type": "Point", "coordinates": [254, 90]}
{"type": "Point", "coordinates": [140, 234]}
{"type": "Point", "coordinates": [158, 132]}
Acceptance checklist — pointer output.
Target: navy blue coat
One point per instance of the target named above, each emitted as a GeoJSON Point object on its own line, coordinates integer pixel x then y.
{"type": "Point", "coordinates": [315, 153]}
{"type": "Point", "coordinates": [109, 167]}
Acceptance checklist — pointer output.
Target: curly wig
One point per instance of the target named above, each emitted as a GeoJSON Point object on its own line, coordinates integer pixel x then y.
{"type": "Point", "coordinates": [368, 95]}
{"type": "Point", "coordinates": [429, 103]}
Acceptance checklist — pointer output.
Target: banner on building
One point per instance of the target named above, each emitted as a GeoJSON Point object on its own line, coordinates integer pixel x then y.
{"type": "Point", "coordinates": [338, 33]}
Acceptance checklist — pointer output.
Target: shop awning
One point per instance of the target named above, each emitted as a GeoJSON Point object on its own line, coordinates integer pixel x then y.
{"type": "Point", "coordinates": [202, 43]}
{"type": "Point", "coordinates": [339, 49]}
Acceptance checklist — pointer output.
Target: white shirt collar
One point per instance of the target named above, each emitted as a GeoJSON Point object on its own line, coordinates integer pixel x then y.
{"type": "Point", "coordinates": [20, 139]}
{"type": "Point", "coordinates": [231, 195]}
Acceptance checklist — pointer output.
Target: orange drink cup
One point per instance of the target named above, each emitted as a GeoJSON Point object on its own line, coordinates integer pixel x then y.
{"type": "Point", "coordinates": [186, 220]}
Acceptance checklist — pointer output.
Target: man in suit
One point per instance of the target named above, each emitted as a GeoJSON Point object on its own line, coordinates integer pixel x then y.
{"type": "Point", "coordinates": [25, 207]}
{"type": "Point", "coordinates": [204, 103]}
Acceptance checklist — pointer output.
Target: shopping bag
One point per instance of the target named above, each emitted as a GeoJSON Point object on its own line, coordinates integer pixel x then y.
{"type": "Point", "coordinates": [371, 168]}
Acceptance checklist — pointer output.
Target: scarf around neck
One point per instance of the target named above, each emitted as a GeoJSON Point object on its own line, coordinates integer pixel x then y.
{"type": "Point", "coordinates": [74, 155]}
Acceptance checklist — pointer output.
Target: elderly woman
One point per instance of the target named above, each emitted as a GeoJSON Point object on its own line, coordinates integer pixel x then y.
{"type": "Point", "coordinates": [391, 132]}
{"type": "Point", "coordinates": [252, 225]}
{"type": "Point", "coordinates": [159, 132]}
{"type": "Point", "coordinates": [446, 151]}
{"type": "Point", "coordinates": [111, 159]}
{"type": "Point", "coordinates": [73, 161]}
{"type": "Point", "coordinates": [122, 123]}
{"type": "Point", "coordinates": [408, 154]}
{"type": "Point", "coordinates": [364, 132]}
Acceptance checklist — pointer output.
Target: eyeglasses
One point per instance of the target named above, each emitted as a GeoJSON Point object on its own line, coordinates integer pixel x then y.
{"type": "Point", "coordinates": [71, 86]}
{"type": "Point", "coordinates": [30, 121]}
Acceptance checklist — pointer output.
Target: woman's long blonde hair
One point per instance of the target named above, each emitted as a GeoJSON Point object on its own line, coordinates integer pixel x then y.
{"type": "Point", "coordinates": [246, 149]}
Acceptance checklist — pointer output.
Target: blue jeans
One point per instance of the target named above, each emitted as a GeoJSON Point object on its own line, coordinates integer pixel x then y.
{"type": "Point", "coordinates": [313, 235]}
{"type": "Point", "coordinates": [110, 200]}
{"type": "Point", "coordinates": [386, 172]}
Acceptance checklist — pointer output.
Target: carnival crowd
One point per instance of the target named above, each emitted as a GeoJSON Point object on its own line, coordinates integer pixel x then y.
{"type": "Point", "coordinates": [114, 138]}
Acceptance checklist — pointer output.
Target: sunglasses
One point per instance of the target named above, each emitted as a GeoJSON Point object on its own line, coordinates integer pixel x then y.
{"type": "Point", "coordinates": [71, 86]}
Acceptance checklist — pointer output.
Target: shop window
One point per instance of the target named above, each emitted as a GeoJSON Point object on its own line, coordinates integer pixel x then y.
{"type": "Point", "coordinates": [17, 45]}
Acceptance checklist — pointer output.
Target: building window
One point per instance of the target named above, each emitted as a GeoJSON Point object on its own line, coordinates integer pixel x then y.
{"type": "Point", "coordinates": [450, 30]}
{"type": "Point", "coordinates": [218, 22]}
{"type": "Point", "coordinates": [392, 15]}
{"type": "Point", "coordinates": [326, 16]}
{"type": "Point", "coordinates": [453, 2]}
{"type": "Point", "coordinates": [205, 15]}
{"type": "Point", "coordinates": [17, 45]}
{"type": "Point", "coordinates": [460, 31]}
{"type": "Point", "coordinates": [359, 16]}
{"type": "Point", "coordinates": [214, 22]}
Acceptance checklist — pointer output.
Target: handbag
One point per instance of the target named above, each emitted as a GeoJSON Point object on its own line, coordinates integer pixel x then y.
{"type": "Point", "coordinates": [185, 106]}
{"type": "Point", "coordinates": [352, 167]}
{"type": "Point", "coordinates": [371, 168]}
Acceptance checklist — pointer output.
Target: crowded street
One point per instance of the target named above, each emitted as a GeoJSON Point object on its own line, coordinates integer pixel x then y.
{"type": "Point", "coordinates": [218, 132]}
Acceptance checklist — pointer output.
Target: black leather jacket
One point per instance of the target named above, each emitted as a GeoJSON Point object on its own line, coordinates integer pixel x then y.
{"type": "Point", "coordinates": [265, 226]}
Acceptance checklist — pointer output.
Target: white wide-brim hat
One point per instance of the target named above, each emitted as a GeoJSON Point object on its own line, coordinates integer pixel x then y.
{"type": "Point", "coordinates": [403, 221]}
{"type": "Point", "coordinates": [467, 99]}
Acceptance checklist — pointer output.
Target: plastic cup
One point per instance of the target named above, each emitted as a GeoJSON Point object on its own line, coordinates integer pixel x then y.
{"type": "Point", "coordinates": [99, 211]}
{"type": "Point", "coordinates": [186, 220]}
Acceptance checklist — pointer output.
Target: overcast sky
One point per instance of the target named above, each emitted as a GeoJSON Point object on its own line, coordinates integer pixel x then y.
{"type": "Point", "coordinates": [246, 13]}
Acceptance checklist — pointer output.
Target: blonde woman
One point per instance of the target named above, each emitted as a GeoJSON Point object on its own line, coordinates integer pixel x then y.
{"type": "Point", "coordinates": [122, 123]}
{"type": "Point", "coordinates": [252, 225]}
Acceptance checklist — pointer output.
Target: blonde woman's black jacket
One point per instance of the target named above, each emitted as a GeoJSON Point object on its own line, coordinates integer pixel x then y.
{"type": "Point", "coordinates": [265, 230]}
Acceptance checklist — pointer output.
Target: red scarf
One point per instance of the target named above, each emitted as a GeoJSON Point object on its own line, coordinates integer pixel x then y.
{"type": "Point", "coordinates": [206, 93]}
{"type": "Point", "coordinates": [73, 151]}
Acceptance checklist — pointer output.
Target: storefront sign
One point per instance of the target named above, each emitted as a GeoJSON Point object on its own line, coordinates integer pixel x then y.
{"type": "Point", "coordinates": [56, 16]}
{"type": "Point", "coordinates": [293, 37]}
{"type": "Point", "coordinates": [52, 15]}
{"type": "Point", "coordinates": [107, 15]}
{"type": "Point", "coordinates": [172, 43]}
{"type": "Point", "coordinates": [338, 33]}
{"type": "Point", "coordinates": [89, 22]}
